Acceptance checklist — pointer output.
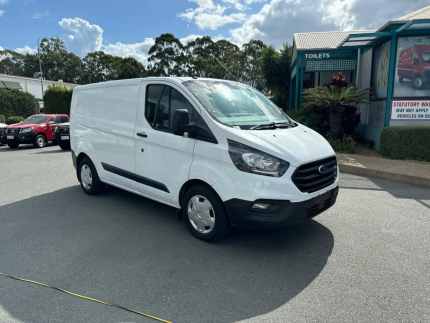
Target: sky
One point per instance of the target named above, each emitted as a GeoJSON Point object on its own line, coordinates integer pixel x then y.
{"type": "Point", "coordinates": [129, 27]}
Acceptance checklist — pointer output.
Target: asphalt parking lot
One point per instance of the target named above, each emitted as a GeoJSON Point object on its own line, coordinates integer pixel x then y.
{"type": "Point", "coordinates": [367, 259]}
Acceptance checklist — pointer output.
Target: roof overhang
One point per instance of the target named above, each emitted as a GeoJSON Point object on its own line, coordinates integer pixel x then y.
{"type": "Point", "coordinates": [384, 33]}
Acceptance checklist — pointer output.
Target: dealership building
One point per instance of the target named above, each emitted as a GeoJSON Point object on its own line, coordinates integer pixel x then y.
{"type": "Point", "coordinates": [393, 61]}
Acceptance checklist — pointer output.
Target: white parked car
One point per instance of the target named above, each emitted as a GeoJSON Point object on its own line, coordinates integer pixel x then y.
{"type": "Point", "coordinates": [218, 150]}
{"type": "Point", "coordinates": [3, 133]}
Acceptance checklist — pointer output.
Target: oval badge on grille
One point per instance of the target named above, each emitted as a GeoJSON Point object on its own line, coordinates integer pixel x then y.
{"type": "Point", "coordinates": [323, 169]}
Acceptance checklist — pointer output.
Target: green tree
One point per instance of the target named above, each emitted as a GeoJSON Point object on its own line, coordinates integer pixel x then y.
{"type": "Point", "coordinates": [129, 67]}
{"type": "Point", "coordinates": [12, 63]}
{"type": "Point", "coordinates": [200, 55]}
{"type": "Point", "coordinates": [252, 61]}
{"type": "Point", "coordinates": [276, 72]}
{"type": "Point", "coordinates": [97, 67]}
{"type": "Point", "coordinates": [57, 62]}
{"type": "Point", "coordinates": [168, 57]}
{"type": "Point", "coordinates": [57, 99]}
{"type": "Point", "coordinates": [227, 60]}
{"type": "Point", "coordinates": [16, 103]}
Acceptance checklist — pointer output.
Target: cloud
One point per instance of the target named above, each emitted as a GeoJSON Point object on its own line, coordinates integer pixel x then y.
{"type": "Point", "coordinates": [82, 36]}
{"type": "Point", "coordinates": [3, 3]}
{"type": "Point", "coordinates": [185, 40]}
{"type": "Point", "coordinates": [138, 50]}
{"type": "Point", "coordinates": [277, 20]}
{"type": "Point", "coordinates": [210, 15]}
{"type": "Point", "coordinates": [26, 50]}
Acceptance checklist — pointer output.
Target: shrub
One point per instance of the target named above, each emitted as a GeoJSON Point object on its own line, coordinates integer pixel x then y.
{"type": "Point", "coordinates": [2, 118]}
{"type": "Point", "coordinates": [14, 119]}
{"type": "Point", "coordinates": [345, 145]}
{"type": "Point", "coordinates": [336, 106]}
{"type": "Point", "coordinates": [406, 143]}
{"type": "Point", "coordinates": [16, 103]}
{"type": "Point", "coordinates": [57, 99]}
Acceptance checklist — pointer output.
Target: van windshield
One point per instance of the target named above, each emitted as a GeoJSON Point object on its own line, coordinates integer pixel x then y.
{"type": "Point", "coordinates": [236, 104]}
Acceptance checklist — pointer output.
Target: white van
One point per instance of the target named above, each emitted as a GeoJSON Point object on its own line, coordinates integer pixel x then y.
{"type": "Point", "coordinates": [218, 150]}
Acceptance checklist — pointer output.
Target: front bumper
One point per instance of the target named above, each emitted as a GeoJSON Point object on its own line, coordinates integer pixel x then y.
{"type": "Point", "coordinates": [281, 212]}
{"type": "Point", "coordinates": [22, 138]}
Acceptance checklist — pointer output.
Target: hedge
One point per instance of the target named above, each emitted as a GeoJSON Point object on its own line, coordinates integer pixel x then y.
{"type": "Point", "coordinates": [57, 99]}
{"type": "Point", "coordinates": [406, 143]}
{"type": "Point", "coordinates": [14, 119]}
{"type": "Point", "coordinates": [16, 103]}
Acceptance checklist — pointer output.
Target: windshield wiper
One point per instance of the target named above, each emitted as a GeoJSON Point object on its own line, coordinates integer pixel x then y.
{"type": "Point", "coordinates": [271, 125]}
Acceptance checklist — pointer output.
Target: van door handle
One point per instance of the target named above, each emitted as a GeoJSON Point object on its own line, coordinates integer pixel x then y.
{"type": "Point", "coordinates": [142, 134]}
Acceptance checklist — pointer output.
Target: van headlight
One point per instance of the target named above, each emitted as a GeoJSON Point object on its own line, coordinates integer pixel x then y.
{"type": "Point", "coordinates": [254, 161]}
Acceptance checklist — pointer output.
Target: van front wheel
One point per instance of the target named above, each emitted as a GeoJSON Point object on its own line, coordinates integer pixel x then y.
{"type": "Point", "coordinates": [89, 178]}
{"type": "Point", "coordinates": [205, 214]}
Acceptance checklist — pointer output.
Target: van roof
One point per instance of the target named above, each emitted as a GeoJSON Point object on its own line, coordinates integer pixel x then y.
{"type": "Point", "coordinates": [135, 81]}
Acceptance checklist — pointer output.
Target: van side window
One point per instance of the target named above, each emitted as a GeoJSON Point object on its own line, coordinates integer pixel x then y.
{"type": "Point", "coordinates": [179, 102]}
{"type": "Point", "coordinates": [161, 103]}
{"type": "Point", "coordinates": [153, 95]}
{"type": "Point", "coordinates": [162, 113]}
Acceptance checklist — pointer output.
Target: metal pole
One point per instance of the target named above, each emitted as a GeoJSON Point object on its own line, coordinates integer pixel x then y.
{"type": "Point", "coordinates": [40, 65]}
{"type": "Point", "coordinates": [40, 70]}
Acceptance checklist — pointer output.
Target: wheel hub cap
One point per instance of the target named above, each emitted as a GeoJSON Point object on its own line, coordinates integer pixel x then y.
{"type": "Point", "coordinates": [86, 176]}
{"type": "Point", "coordinates": [40, 142]}
{"type": "Point", "coordinates": [201, 214]}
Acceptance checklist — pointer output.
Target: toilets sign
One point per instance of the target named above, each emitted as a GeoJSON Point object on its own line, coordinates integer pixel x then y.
{"type": "Point", "coordinates": [317, 56]}
{"type": "Point", "coordinates": [411, 110]}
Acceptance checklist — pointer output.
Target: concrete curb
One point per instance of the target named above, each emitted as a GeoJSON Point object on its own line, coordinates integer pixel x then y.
{"type": "Point", "coordinates": [367, 172]}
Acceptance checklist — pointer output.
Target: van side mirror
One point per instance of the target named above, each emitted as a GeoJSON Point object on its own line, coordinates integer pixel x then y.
{"type": "Point", "coordinates": [181, 119]}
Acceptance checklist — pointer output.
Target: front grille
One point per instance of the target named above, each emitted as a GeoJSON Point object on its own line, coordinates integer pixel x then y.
{"type": "Point", "coordinates": [63, 130]}
{"type": "Point", "coordinates": [316, 175]}
{"type": "Point", "coordinates": [13, 131]}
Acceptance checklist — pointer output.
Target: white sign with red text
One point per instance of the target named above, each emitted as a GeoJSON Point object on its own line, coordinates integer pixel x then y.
{"type": "Point", "coordinates": [411, 110]}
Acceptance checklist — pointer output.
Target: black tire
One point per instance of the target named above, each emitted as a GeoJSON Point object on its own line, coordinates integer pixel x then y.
{"type": "Point", "coordinates": [40, 141]}
{"type": "Point", "coordinates": [12, 145]}
{"type": "Point", "coordinates": [64, 145]}
{"type": "Point", "coordinates": [221, 226]}
{"type": "Point", "coordinates": [94, 185]}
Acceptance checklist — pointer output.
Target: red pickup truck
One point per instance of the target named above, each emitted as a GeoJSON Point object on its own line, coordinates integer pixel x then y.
{"type": "Point", "coordinates": [38, 129]}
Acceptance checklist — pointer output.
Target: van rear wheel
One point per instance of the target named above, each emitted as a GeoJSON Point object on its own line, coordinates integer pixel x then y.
{"type": "Point", "coordinates": [89, 178]}
{"type": "Point", "coordinates": [205, 214]}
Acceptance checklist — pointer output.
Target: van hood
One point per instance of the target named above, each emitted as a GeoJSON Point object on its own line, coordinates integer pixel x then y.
{"type": "Point", "coordinates": [296, 145]}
